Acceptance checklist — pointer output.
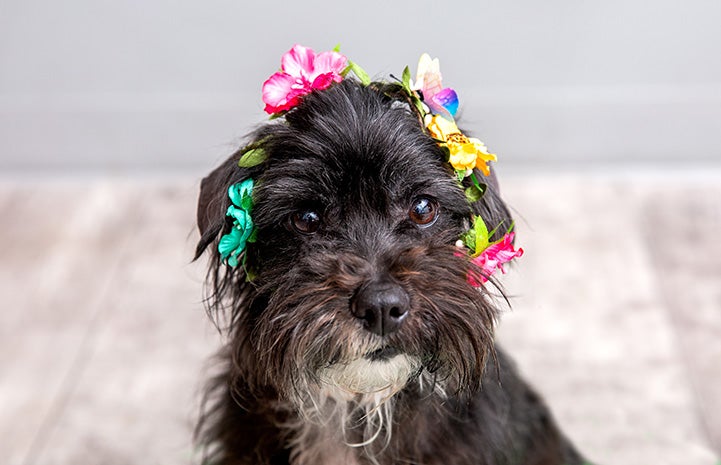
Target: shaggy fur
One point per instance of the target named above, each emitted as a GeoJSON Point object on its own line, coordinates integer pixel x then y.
{"type": "Point", "coordinates": [304, 380]}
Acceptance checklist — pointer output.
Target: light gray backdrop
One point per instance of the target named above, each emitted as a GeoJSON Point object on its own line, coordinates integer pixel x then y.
{"type": "Point", "coordinates": [165, 86]}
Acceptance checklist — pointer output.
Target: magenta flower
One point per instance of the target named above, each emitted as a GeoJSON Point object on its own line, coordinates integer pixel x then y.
{"type": "Point", "coordinates": [492, 258]}
{"type": "Point", "coordinates": [302, 71]}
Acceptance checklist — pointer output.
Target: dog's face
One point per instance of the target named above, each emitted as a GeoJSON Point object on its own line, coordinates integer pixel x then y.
{"type": "Point", "coordinates": [358, 285]}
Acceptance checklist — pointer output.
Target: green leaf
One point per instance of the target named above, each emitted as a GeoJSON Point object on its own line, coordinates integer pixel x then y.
{"type": "Point", "coordinates": [253, 236]}
{"type": "Point", "coordinates": [413, 95]}
{"type": "Point", "coordinates": [469, 240]}
{"type": "Point", "coordinates": [481, 233]}
{"type": "Point", "coordinates": [476, 238]}
{"type": "Point", "coordinates": [493, 231]}
{"type": "Point", "coordinates": [510, 230]}
{"type": "Point", "coordinates": [473, 194]}
{"type": "Point", "coordinates": [247, 202]}
{"type": "Point", "coordinates": [478, 185]}
{"type": "Point", "coordinates": [336, 48]}
{"type": "Point", "coordinates": [358, 71]}
{"type": "Point", "coordinates": [406, 78]}
{"type": "Point", "coordinates": [252, 157]}
{"type": "Point", "coordinates": [419, 106]}
{"type": "Point", "coordinates": [250, 275]}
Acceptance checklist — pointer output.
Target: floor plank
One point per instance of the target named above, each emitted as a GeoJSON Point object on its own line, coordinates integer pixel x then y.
{"type": "Point", "coordinates": [58, 254]}
{"type": "Point", "coordinates": [683, 227]}
{"type": "Point", "coordinates": [589, 328]}
{"type": "Point", "coordinates": [136, 396]}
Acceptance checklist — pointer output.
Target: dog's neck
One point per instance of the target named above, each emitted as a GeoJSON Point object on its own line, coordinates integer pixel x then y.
{"type": "Point", "coordinates": [334, 426]}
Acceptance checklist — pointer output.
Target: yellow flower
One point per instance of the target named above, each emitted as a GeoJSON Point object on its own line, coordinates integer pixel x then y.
{"type": "Point", "coordinates": [466, 152]}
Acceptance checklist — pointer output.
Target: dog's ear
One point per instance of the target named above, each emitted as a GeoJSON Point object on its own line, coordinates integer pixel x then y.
{"type": "Point", "coordinates": [213, 200]}
{"type": "Point", "coordinates": [491, 207]}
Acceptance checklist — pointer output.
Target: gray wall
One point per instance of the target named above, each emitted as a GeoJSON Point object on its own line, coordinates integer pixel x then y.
{"type": "Point", "coordinates": [97, 85]}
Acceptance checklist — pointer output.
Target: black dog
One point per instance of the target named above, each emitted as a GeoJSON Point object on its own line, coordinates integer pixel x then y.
{"type": "Point", "coordinates": [358, 339]}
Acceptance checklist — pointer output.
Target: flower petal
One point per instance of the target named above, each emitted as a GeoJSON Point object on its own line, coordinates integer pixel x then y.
{"type": "Point", "coordinates": [502, 251]}
{"type": "Point", "coordinates": [237, 192]}
{"type": "Point", "coordinates": [329, 62]}
{"type": "Point", "coordinates": [441, 127]}
{"type": "Point", "coordinates": [228, 243]}
{"type": "Point", "coordinates": [445, 101]}
{"type": "Point", "coordinates": [483, 156]}
{"type": "Point", "coordinates": [324, 81]}
{"type": "Point", "coordinates": [279, 92]}
{"type": "Point", "coordinates": [482, 165]}
{"type": "Point", "coordinates": [428, 76]}
{"type": "Point", "coordinates": [463, 156]}
{"type": "Point", "coordinates": [298, 61]}
{"type": "Point", "coordinates": [240, 217]}
{"type": "Point", "coordinates": [493, 258]}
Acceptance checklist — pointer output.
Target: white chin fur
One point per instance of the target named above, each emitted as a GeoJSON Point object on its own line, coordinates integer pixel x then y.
{"type": "Point", "coordinates": [362, 389]}
{"type": "Point", "coordinates": [364, 376]}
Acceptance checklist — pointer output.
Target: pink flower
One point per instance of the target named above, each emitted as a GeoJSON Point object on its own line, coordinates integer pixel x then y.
{"type": "Point", "coordinates": [493, 258]}
{"type": "Point", "coordinates": [302, 71]}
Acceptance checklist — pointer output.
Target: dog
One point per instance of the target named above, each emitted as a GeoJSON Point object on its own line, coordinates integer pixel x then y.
{"type": "Point", "coordinates": [353, 335]}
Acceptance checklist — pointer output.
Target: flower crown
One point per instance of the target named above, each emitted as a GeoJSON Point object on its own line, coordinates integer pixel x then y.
{"type": "Point", "coordinates": [302, 72]}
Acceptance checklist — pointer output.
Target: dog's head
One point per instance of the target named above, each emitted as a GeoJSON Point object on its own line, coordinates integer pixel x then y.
{"type": "Point", "coordinates": [357, 283]}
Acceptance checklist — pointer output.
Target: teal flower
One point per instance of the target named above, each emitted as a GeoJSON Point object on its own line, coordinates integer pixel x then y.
{"type": "Point", "coordinates": [232, 245]}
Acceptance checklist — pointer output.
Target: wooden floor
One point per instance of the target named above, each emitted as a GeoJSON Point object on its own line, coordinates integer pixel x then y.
{"type": "Point", "coordinates": [616, 319]}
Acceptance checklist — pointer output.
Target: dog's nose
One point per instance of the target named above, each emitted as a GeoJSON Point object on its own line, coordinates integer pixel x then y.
{"type": "Point", "coordinates": [382, 306]}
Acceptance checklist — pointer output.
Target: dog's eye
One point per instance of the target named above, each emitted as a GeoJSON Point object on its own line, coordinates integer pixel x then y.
{"type": "Point", "coordinates": [424, 211]}
{"type": "Point", "coordinates": [306, 222]}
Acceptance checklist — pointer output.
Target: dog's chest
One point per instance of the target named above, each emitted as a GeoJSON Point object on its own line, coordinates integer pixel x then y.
{"type": "Point", "coordinates": [336, 428]}
{"type": "Point", "coordinates": [322, 444]}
